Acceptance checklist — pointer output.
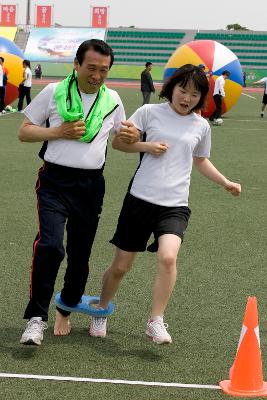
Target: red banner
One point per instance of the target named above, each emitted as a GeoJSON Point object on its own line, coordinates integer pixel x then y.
{"type": "Point", "coordinates": [43, 16]}
{"type": "Point", "coordinates": [99, 17]}
{"type": "Point", "coordinates": [8, 15]}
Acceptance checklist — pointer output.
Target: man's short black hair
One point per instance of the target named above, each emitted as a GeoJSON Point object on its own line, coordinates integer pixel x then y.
{"type": "Point", "coordinates": [226, 72]}
{"type": "Point", "coordinates": [27, 62]}
{"type": "Point", "coordinates": [2, 58]}
{"type": "Point", "coordinates": [97, 45]}
{"type": "Point", "coordinates": [148, 64]}
{"type": "Point", "coordinates": [182, 76]}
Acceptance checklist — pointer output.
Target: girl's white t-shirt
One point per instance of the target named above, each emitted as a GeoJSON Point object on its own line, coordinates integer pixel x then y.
{"type": "Point", "coordinates": [165, 180]}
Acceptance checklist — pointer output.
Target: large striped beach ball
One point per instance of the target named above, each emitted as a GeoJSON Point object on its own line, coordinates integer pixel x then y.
{"type": "Point", "coordinates": [216, 58]}
{"type": "Point", "coordinates": [13, 65]}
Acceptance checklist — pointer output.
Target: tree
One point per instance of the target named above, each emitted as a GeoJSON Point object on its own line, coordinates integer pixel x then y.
{"type": "Point", "coordinates": [236, 27]}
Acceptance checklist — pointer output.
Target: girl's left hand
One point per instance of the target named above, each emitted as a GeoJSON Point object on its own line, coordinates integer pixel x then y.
{"type": "Point", "coordinates": [233, 187]}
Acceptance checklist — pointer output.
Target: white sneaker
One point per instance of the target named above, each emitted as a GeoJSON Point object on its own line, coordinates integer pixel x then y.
{"type": "Point", "coordinates": [98, 327]}
{"type": "Point", "coordinates": [217, 122]}
{"type": "Point", "coordinates": [157, 332]}
{"type": "Point", "coordinates": [34, 332]}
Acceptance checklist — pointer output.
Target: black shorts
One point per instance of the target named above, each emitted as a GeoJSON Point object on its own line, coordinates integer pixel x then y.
{"type": "Point", "coordinates": [139, 219]}
{"type": "Point", "coordinates": [264, 99]}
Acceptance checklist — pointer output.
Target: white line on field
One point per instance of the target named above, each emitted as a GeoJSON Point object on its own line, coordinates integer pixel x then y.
{"type": "Point", "coordinates": [237, 128]}
{"type": "Point", "coordinates": [261, 121]}
{"type": "Point", "coordinates": [114, 381]}
{"type": "Point", "coordinates": [248, 95]}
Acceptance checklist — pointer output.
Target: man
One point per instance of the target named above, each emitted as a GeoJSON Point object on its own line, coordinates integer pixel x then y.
{"type": "Point", "coordinates": [73, 118]}
{"type": "Point", "coordinates": [218, 95]}
{"type": "Point", "coordinates": [264, 98]}
{"type": "Point", "coordinates": [2, 86]}
{"type": "Point", "coordinates": [147, 86]}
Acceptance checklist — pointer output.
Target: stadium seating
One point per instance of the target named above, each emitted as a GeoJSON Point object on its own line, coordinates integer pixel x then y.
{"type": "Point", "coordinates": [230, 36]}
{"type": "Point", "coordinates": [136, 46]}
{"type": "Point", "coordinates": [139, 46]}
{"type": "Point", "coordinates": [249, 47]}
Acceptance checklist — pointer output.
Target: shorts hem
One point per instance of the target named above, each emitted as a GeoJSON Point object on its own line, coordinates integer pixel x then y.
{"type": "Point", "coordinates": [171, 233]}
{"type": "Point", "coordinates": [126, 248]}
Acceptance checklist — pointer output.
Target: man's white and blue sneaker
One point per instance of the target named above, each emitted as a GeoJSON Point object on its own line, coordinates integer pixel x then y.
{"type": "Point", "coordinates": [34, 332]}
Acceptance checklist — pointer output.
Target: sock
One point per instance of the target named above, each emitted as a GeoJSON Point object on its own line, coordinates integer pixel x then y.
{"type": "Point", "coordinates": [156, 318]}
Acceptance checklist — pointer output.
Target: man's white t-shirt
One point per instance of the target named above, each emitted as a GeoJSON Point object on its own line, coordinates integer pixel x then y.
{"type": "Point", "coordinates": [73, 153]}
{"type": "Point", "coordinates": [264, 80]}
{"type": "Point", "coordinates": [1, 75]}
{"type": "Point", "coordinates": [28, 76]}
{"type": "Point", "coordinates": [219, 86]}
{"type": "Point", "coordinates": [165, 180]}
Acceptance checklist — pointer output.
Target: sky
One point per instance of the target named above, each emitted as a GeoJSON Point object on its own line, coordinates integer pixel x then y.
{"type": "Point", "coordinates": [158, 14]}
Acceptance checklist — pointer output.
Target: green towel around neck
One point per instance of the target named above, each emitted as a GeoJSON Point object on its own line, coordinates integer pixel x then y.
{"type": "Point", "coordinates": [70, 107]}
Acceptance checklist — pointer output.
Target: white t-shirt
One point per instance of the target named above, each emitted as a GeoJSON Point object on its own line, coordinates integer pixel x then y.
{"type": "Point", "coordinates": [28, 75]}
{"type": "Point", "coordinates": [165, 180]}
{"type": "Point", "coordinates": [264, 80]}
{"type": "Point", "coordinates": [73, 153]}
{"type": "Point", "coordinates": [1, 75]}
{"type": "Point", "coordinates": [219, 86]}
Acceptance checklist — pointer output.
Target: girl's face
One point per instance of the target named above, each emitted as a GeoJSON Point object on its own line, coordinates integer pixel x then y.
{"type": "Point", "coordinates": [185, 98]}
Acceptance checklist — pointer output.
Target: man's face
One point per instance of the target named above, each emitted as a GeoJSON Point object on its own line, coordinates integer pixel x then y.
{"type": "Point", "coordinates": [93, 71]}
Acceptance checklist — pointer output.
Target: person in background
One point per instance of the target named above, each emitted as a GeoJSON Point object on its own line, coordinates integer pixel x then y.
{"type": "Point", "coordinates": [176, 138]}
{"type": "Point", "coordinates": [2, 86]}
{"type": "Point", "coordinates": [26, 84]}
{"type": "Point", "coordinates": [264, 98]}
{"type": "Point", "coordinates": [73, 119]}
{"type": "Point", "coordinates": [147, 86]}
{"type": "Point", "coordinates": [244, 79]}
{"type": "Point", "coordinates": [38, 71]}
{"type": "Point", "coordinates": [202, 67]}
{"type": "Point", "coordinates": [206, 72]}
{"type": "Point", "coordinates": [218, 95]}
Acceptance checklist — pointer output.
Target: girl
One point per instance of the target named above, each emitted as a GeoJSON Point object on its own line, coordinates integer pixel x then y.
{"type": "Point", "coordinates": [174, 138]}
{"type": "Point", "coordinates": [26, 84]}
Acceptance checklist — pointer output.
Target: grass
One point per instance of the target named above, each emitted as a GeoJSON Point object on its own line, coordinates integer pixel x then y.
{"type": "Point", "coordinates": [131, 71]}
{"type": "Point", "coordinates": [222, 262]}
{"type": "Point", "coordinates": [128, 72]}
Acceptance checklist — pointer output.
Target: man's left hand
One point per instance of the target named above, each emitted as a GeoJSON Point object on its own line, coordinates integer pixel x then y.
{"type": "Point", "coordinates": [128, 133]}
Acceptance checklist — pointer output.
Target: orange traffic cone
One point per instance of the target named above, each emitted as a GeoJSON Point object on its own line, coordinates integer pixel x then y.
{"type": "Point", "coordinates": [246, 373]}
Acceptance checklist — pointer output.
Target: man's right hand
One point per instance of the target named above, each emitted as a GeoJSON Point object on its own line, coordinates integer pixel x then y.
{"type": "Point", "coordinates": [72, 130]}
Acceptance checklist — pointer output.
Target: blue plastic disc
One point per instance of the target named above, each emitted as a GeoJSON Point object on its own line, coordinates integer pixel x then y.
{"type": "Point", "coordinates": [86, 306]}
